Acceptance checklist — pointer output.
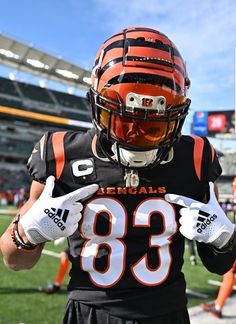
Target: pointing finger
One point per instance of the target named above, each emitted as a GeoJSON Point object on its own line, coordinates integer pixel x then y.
{"type": "Point", "coordinates": [48, 189]}
{"type": "Point", "coordinates": [81, 193]}
{"type": "Point", "coordinates": [212, 193]}
{"type": "Point", "coordinates": [181, 200]}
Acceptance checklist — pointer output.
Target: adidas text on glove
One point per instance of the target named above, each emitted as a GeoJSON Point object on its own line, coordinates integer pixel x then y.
{"type": "Point", "coordinates": [50, 218]}
{"type": "Point", "coordinates": [203, 222]}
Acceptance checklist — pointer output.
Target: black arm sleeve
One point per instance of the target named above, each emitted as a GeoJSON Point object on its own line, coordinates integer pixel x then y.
{"type": "Point", "coordinates": [216, 261]}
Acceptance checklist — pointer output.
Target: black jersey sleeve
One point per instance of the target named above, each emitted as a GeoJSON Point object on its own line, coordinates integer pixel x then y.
{"type": "Point", "coordinates": [210, 165]}
{"type": "Point", "coordinates": [214, 169]}
{"type": "Point", "coordinates": [37, 161]}
{"type": "Point", "coordinates": [216, 261]}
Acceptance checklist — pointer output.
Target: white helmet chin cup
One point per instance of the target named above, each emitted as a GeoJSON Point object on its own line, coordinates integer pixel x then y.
{"type": "Point", "coordinates": [135, 158]}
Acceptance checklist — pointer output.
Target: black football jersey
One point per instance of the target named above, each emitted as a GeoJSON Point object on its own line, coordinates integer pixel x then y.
{"type": "Point", "coordinates": [127, 253]}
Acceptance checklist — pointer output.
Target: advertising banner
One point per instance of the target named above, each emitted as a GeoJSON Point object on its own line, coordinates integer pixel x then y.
{"type": "Point", "coordinates": [219, 124]}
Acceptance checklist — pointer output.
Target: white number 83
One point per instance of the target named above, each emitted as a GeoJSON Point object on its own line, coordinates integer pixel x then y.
{"type": "Point", "coordinates": [113, 240]}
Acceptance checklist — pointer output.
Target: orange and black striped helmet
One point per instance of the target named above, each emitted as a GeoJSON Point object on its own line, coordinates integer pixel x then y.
{"type": "Point", "coordinates": [139, 89]}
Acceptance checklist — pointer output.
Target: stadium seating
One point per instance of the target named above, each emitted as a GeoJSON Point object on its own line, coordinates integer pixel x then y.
{"type": "Point", "coordinates": [35, 93]}
{"type": "Point", "coordinates": [19, 134]}
{"type": "Point", "coordinates": [14, 179]}
{"type": "Point", "coordinates": [33, 98]}
{"type": "Point", "coordinates": [7, 87]}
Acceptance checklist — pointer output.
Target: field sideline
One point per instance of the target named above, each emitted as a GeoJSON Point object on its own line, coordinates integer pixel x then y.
{"type": "Point", "coordinates": [21, 301]}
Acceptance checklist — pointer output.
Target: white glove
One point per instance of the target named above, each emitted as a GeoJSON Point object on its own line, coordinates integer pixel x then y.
{"type": "Point", "coordinates": [203, 222]}
{"type": "Point", "coordinates": [51, 218]}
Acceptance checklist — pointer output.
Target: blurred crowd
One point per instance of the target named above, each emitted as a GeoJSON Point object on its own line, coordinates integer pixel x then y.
{"type": "Point", "coordinates": [229, 207]}
{"type": "Point", "coordinates": [14, 187]}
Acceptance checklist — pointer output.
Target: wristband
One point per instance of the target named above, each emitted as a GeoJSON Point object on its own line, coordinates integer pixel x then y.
{"type": "Point", "coordinates": [17, 239]}
{"type": "Point", "coordinates": [229, 246]}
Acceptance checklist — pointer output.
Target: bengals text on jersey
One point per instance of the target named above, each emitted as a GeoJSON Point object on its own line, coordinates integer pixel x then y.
{"type": "Point", "coordinates": [127, 253]}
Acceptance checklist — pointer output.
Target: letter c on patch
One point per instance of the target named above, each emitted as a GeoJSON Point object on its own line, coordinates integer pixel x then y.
{"type": "Point", "coordinates": [82, 168]}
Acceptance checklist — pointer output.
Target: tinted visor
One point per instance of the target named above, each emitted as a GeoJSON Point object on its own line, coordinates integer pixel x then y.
{"type": "Point", "coordinates": [137, 132]}
{"type": "Point", "coordinates": [139, 127]}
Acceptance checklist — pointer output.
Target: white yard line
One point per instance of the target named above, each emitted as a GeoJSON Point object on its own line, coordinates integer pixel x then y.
{"type": "Point", "coordinates": [51, 253]}
{"type": "Point", "coordinates": [8, 211]}
{"type": "Point", "coordinates": [195, 293]}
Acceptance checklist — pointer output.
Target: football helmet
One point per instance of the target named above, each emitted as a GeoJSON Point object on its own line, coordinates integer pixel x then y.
{"type": "Point", "coordinates": [138, 96]}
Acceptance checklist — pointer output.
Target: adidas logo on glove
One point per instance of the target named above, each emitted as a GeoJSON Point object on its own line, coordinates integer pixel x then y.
{"type": "Point", "coordinates": [58, 216]}
{"type": "Point", "coordinates": [205, 220]}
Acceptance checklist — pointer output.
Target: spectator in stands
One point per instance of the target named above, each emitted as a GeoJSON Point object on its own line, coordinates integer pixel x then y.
{"type": "Point", "coordinates": [3, 199]}
{"type": "Point", "coordinates": [229, 208]}
{"type": "Point", "coordinates": [20, 197]}
{"type": "Point", "coordinates": [224, 292]}
{"type": "Point", "coordinates": [14, 186]}
{"type": "Point", "coordinates": [10, 197]}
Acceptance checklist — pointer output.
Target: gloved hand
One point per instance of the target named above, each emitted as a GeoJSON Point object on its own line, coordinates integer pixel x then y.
{"type": "Point", "coordinates": [203, 222]}
{"type": "Point", "coordinates": [51, 218]}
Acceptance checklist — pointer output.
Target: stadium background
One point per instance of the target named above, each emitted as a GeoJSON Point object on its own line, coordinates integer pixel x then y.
{"type": "Point", "coordinates": [27, 110]}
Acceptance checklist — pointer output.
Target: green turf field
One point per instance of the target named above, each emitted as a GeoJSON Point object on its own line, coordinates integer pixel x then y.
{"type": "Point", "coordinates": [22, 302]}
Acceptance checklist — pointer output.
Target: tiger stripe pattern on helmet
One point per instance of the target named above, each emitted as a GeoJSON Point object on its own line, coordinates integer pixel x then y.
{"type": "Point", "coordinates": [139, 89]}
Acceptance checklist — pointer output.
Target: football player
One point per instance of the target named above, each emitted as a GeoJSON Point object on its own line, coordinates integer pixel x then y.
{"type": "Point", "coordinates": [223, 294]}
{"type": "Point", "coordinates": [61, 273]}
{"type": "Point", "coordinates": [127, 192]}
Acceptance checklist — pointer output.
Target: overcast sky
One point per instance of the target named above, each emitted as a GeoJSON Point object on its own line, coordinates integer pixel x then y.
{"type": "Point", "coordinates": [204, 32]}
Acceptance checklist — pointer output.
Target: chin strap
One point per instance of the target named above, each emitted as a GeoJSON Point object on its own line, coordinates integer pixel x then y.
{"type": "Point", "coordinates": [132, 178]}
{"type": "Point", "coordinates": [95, 153]}
{"type": "Point", "coordinates": [169, 156]}
{"type": "Point", "coordinates": [131, 175]}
